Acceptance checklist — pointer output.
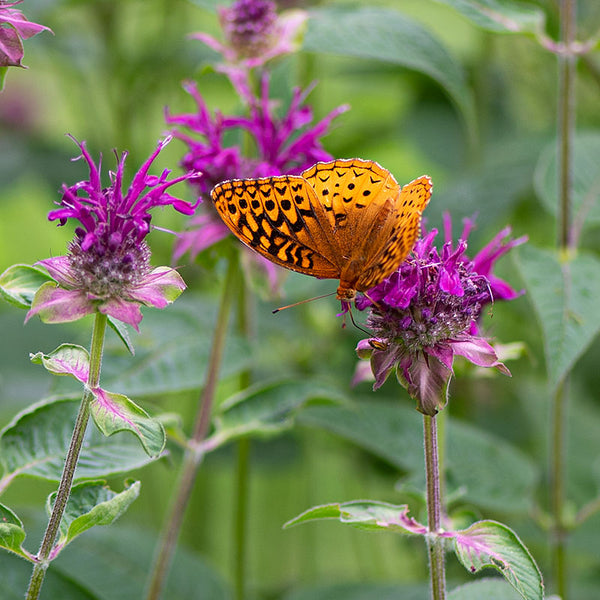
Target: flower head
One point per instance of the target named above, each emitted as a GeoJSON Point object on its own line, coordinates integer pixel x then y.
{"type": "Point", "coordinates": [426, 312]}
{"type": "Point", "coordinates": [108, 267]}
{"type": "Point", "coordinates": [254, 34]}
{"type": "Point", "coordinates": [14, 28]}
{"type": "Point", "coordinates": [284, 145]}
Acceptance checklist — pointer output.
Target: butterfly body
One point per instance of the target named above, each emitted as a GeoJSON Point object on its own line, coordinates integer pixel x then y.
{"type": "Point", "coordinates": [346, 219]}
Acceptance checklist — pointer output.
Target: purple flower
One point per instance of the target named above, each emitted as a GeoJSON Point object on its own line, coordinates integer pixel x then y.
{"type": "Point", "coordinates": [108, 267]}
{"type": "Point", "coordinates": [284, 145]}
{"type": "Point", "coordinates": [254, 34]}
{"type": "Point", "coordinates": [426, 312]}
{"type": "Point", "coordinates": [14, 28]}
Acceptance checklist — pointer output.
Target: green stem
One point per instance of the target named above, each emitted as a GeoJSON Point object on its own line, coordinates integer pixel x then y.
{"type": "Point", "coordinates": [66, 481]}
{"type": "Point", "coordinates": [566, 132]}
{"type": "Point", "coordinates": [435, 543]}
{"type": "Point", "coordinates": [194, 453]}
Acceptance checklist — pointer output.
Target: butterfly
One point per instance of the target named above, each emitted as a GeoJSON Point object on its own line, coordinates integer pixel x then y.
{"type": "Point", "coordinates": [346, 219]}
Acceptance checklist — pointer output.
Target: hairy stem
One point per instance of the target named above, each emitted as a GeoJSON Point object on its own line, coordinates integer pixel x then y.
{"type": "Point", "coordinates": [435, 544]}
{"type": "Point", "coordinates": [194, 454]}
{"type": "Point", "coordinates": [566, 131]}
{"type": "Point", "coordinates": [66, 481]}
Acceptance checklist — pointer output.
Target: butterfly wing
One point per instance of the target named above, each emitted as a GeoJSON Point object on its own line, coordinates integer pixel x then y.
{"type": "Point", "coordinates": [282, 219]}
{"type": "Point", "coordinates": [404, 227]}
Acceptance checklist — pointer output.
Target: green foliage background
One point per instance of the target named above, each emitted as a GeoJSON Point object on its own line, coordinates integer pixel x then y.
{"type": "Point", "coordinates": [482, 125]}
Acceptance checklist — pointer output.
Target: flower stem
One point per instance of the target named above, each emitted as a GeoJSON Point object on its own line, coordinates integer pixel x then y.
{"type": "Point", "coordinates": [435, 544]}
{"type": "Point", "coordinates": [566, 132]}
{"type": "Point", "coordinates": [66, 481]}
{"type": "Point", "coordinates": [194, 452]}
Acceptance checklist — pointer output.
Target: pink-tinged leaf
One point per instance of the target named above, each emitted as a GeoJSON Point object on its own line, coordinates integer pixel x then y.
{"type": "Point", "coordinates": [479, 352]}
{"type": "Point", "coordinates": [12, 533]}
{"type": "Point", "coordinates": [427, 382]}
{"type": "Point", "coordinates": [56, 305]}
{"type": "Point", "coordinates": [67, 359]}
{"type": "Point", "coordinates": [492, 544]}
{"type": "Point", "coordinates": [364, 514]}
{"type": "Point", "coordinates": [123, 310]}
{"type": "Point", "coordinates": [17, 19]}
{"type": "Point", "coordinates": [116, 412]}
{"type": "Point", "coordinates": [59, 268]}
{"type": "Point", "coordinates": [160, 288]}
{"type": "Point", "coordinates": [11, 48]}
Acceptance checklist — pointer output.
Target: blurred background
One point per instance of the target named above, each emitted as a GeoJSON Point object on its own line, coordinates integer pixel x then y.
{"type": "Point", "coordinates": [106, 76]}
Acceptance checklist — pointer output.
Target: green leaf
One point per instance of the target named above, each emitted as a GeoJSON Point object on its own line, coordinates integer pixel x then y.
{"type": "Point", "coordinates": [490, 589]}
{"type": "Point", "coordinates": [266, 409]}
{"type": "Point", "coordinates": [37, 439]}
{"type": "Point", "coordinates": [393, 431]}
{"type": "Point", "coordinates": [116, 412]}
{"type": "Point", "coordinates": [586, 178]}
{"type": "Point", "coordinates": [502, 16]}
{"type": "Point", "coordinates": [387, 35]}
{"type": "Point", "coordinates": [12, 534]}
{"type": "Point", "coordinates": [364, 514]}
{"type": "Point", "coordinates": [113, 563]}
{"type": "Point", "coordinates": [14, 578]}
{"type": "Point", "coordinates": [361, 591]}
{"type": "Point", "coordinates": [172, 352]}
{"type": "Point", "coordinates": [565, 298]}
{"type": "Point", "coordinates": [492, 544]}
{"type": "Point", "coordinates": [67, 359]}
{"type": "Point", "coordinates": [122, 332]}
{"type": "Point", "coordinates": [19, 283]}
{"type": "Point", "coordinates": [90, 504]}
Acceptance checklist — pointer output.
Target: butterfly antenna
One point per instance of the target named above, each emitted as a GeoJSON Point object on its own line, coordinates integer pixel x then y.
{"type": "Point", "coordinates": [302, 302]}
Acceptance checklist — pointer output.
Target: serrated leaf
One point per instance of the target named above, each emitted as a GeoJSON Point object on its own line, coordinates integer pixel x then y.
{"type": "Point", "coordinates": [12, 534]}
{"type": "Point", "coordinates": [364, 514]}
{"type": "Point", "coordinates": [586, 178]}
{"type": "Point", "coordinates": [387, 35]}
{"type": "Point", "coordinates": [19, 283]}
{"type": "Point", "coordinates": [67, 359]}
{"type": "Point", "coordinates": [393, 431]}
{"type": "Point", "coordinates": [91, 503]}
{"type": "Point", "coordinates": [266, 409]}
{"type": "Point", "coordinates": [115, 412]}
{"type": "Point", "coordinates": [492, 544]}
{"type": "Point", "coordinates": [502, 16]}
{"type": "Point", "coordinates": [565, 298]}
{"type": "Point", "coordinates": [37, 439]}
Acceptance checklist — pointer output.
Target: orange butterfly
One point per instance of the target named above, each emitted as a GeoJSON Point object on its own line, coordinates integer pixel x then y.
{"type": "Point", "coordinates": [347, 219]}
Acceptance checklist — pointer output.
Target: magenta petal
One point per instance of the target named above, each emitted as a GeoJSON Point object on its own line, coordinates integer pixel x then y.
{"type": "Point", "coordinates": [59, 268]}
{"type": "Point", "coordinates": [56, 305]}
{"type": "Point", "coordinates": [122, 310]}
{"type": "Point", "coordinates": [160, 288]}
{"type": "Point", "coordinates": [479, 352]}
{"type": "Point", "coordinates": [443, 353]}
{"type": "Point", "coordinates": [364, 349]}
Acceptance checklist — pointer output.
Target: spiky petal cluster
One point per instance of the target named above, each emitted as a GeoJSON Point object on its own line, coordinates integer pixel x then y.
{"type": "Point", "coordinates": [284, 145]}
{"type": "Point", "coordinates": [108, 267]}
{"type": "Point", "coordinates": [426, 312]}
{"type": "Point", "coordinates": [14, 28]}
